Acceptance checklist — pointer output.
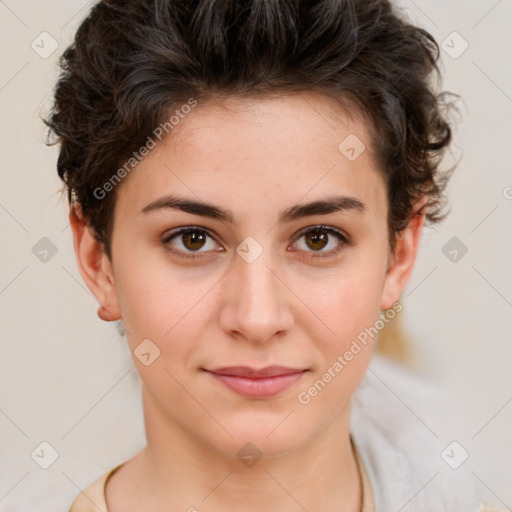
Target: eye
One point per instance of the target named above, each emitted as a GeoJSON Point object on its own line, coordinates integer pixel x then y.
{"type": "Point", "coordinates": [322, 240]}
{"type": "Point", "coordinates": [189, 240]}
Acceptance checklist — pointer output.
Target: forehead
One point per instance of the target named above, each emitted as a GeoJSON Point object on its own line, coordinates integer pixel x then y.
{"type": "Point", "coordinates": [285, 120]}
{"type": "Point", "coordinates": [270, 149]}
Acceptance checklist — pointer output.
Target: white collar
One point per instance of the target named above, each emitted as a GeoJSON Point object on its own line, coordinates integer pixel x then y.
{"type": "Point", "coordinates": [392, 413]}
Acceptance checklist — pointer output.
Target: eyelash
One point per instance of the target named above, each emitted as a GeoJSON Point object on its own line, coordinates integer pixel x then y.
{"type": "Point", "coordinates": [344, 239]}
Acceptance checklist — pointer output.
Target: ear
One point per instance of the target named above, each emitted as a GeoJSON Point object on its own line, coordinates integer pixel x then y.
{"type": "Point", "coordinates": [402, 259]}
{"type": "Point", "coordinates": [94, 266]}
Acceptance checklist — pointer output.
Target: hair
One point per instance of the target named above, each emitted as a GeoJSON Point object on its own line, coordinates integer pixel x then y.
{"type": "Point", "coordinates": [133, 63]}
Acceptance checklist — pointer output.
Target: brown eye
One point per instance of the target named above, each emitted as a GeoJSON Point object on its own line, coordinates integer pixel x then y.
{"type": "Point", "coordinates": [193, 240]}
{"type": "Point", "coordinates": [184, 242]}
{"type": "Point", "coordinates": [317, 239]}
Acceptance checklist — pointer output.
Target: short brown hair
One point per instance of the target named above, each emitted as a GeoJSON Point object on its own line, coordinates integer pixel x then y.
{"type": "Point", "coordinates": [131, 63]}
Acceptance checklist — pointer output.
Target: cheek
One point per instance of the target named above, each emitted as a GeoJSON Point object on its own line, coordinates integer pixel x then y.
{"type": "Point", "coordinates": [155, 296]}
{"type": "Point", "coordinates": [350, 302]}
{"type": "Point", "coordinates": [350, 308]}
{"type": "Point", "coordinates": [173, 309]}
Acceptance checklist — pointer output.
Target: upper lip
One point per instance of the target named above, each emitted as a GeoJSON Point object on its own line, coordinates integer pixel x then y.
{"type": "Point", "coordinates": [248, 372]}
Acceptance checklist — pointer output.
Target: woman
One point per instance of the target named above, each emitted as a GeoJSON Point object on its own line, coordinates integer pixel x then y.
{"type": "Point", "coordinates": [248, 185]}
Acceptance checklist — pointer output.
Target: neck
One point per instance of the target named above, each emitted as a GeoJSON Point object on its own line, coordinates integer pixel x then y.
{"type": "Point", "coordinates": [176, 468]}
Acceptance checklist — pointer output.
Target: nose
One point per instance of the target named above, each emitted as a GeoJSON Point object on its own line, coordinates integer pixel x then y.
{"type": "Point", "coordinates": [257, 302]}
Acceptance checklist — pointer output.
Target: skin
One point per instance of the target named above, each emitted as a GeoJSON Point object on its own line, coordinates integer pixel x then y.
{"type": "Point", "coordinates": [255, 158]}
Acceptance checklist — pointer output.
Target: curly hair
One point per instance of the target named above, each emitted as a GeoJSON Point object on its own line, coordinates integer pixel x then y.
{"type": "Point", "coordinates": [132, 63]}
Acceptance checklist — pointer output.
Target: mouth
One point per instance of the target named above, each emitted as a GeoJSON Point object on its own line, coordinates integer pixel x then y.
{"type": "Point", "coordinates": [257, 383]}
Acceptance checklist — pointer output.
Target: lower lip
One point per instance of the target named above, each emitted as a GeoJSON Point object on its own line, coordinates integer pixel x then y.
{"type": "Point", "coordinates": [259, 388]}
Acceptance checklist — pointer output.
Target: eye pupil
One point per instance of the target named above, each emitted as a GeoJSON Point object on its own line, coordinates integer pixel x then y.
{"type": "Point", "coordinates": [317, 236]}
{"type": "Point", "coordinates": [193, 237]}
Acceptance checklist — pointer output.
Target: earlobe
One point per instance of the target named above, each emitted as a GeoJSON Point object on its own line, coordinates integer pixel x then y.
{"type": "Point", "coordinates": [402, 260]}
{"type": "Point", "coordinates": [94, 266]}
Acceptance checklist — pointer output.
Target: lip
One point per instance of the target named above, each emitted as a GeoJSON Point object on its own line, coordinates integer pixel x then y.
{"type": "Point", "coordinates": [253, 383]}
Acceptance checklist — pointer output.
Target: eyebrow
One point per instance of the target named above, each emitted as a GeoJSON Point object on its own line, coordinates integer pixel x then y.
{"type": "Point", "coordinates": [325, 206]}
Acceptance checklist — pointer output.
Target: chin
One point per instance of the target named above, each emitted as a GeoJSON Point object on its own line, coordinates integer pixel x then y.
{"type": "Point", "coordinates": [255, 437]}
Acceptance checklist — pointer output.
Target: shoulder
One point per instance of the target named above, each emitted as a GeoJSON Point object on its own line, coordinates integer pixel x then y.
{"type": "Point", "coordinates": [92, 498]}
{"type": "Point", "coordinates": [486, 507]}
{"type": "Point", "coordinates": [402, 426]}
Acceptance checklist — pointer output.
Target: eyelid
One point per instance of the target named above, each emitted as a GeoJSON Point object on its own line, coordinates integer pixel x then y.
{"type": "Point", "coordinates": [166, 239]}
{"type": "Point", "coordinates": [185, 229]}
{"type": "Point", "coordinates": [345, 240]}
{"type": "Point", "coordinates": [325, 227]}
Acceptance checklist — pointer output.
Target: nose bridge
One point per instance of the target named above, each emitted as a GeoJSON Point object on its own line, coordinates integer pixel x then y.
{"type": "Point", "coordinates": [259, 306]}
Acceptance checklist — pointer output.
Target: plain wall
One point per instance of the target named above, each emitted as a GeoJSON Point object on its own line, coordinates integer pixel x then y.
{"type": "Point", "coordinates": [67, 377]}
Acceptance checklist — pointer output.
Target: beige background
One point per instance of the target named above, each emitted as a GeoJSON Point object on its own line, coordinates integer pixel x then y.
{"type": "Point", "coordinates": [67, 377]}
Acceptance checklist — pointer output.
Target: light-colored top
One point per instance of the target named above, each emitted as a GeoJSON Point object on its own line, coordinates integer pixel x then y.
{"type": "Point", "coordinates": [92, 498]}
{"type": "Point", "coordinates": [408, 463]}
{"type": "Point", "coordinates": [396, 450]}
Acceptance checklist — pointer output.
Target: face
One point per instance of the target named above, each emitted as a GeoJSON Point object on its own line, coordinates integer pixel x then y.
{"type": "Point", "coordinates": [253, 277]}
